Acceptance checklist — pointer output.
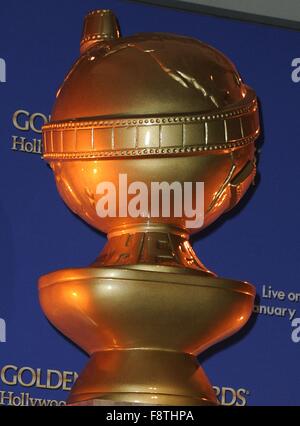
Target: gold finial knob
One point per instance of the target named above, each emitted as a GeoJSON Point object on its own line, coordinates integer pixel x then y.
{"type": "Point", "coordinates": [98, 25]}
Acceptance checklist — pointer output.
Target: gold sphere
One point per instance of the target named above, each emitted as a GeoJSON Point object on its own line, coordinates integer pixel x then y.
{"type": "Point", "coordinates": [150, 105]}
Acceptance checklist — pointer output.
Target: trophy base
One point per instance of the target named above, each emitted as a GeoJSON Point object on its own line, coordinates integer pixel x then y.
{"type": "Point", "coordinates": [143, 329]}
{"type": "Point", "coordinates": [142, 376]}
{"type": "Point", "coordinates": [105, 403]}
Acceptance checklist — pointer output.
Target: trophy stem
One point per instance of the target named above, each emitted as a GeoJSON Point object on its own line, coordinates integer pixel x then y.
{"type": "Point", "coordinates": [151, 247]}
{"type": "Point", "coordinates": [144, 376]}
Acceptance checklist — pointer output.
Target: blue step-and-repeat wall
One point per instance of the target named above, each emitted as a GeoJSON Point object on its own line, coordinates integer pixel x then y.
{"type": "Point", "coordinates": [258, 242]}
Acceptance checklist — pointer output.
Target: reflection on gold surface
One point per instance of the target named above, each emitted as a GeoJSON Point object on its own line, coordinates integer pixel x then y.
{"type": "Point", "coordinates": [154, 107]}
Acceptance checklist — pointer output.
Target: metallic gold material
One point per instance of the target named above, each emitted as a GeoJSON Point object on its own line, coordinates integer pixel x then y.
{"type": "Point", "coordinates": [95, 29]}
{"type": "Point", "coordinates": [154, 107]}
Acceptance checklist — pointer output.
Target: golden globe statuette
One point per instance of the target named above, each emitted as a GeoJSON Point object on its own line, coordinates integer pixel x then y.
{"type": "Point", "coordinates": [160, 107]}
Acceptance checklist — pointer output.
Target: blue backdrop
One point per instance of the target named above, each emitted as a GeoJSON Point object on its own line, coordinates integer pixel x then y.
{"type": "Point", "coordinates": [258, 242]}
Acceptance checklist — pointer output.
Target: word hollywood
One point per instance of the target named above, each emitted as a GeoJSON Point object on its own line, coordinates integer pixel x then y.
{"type": "Point", "coordinates": [153, 415]}
{"type": "Point", "coordinates": [160, 198]}
{"type": "Point", "coordinates": [25, 399]}
{"type": "Point", "coordinates": [2, 71]}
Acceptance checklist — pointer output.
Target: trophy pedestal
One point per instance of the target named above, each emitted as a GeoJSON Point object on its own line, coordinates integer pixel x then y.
{"type": "Point", "coordinates": [105, 403]}
{"type": "Point", "coordinates": [143, 330]}
{"type": "Point", "coordinates": [143, 376]}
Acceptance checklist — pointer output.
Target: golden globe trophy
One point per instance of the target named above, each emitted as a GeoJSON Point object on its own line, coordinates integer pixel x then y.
{"type": "Point", "coordinates": [147, 108]}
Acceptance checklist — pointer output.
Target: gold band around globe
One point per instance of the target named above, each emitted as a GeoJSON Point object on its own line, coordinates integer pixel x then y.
{"type": "Point", "coordinates": [144, 152]}
{"type": "Point", "coordinates": [151, 135]}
